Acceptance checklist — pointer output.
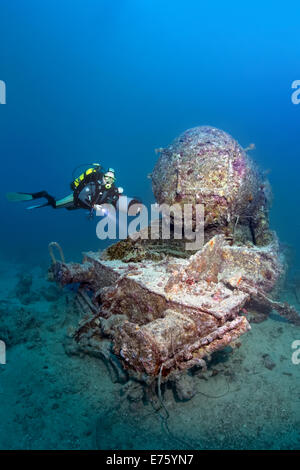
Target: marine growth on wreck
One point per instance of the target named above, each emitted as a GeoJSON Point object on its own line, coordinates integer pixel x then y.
{"type": "Point", "coordinates": [154, 310]}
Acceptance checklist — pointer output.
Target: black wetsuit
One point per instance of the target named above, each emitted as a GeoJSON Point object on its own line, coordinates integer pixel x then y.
{"type": "Point", "coordinates": [92, 190]}
{"type": "Point", "coordinates": [96, 193]}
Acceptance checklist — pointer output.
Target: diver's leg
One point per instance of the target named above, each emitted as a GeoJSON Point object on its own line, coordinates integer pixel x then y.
{"type": "Point", "coordinates": [50, 199]}
{"type": "Point", "coordinates": [14, 197]}
{"type": "Point", "coordinates": [66, 203]}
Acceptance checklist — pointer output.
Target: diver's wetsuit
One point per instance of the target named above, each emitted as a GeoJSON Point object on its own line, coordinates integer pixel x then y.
{"type": "Point", "coordinates": [95, 193]}
{"type": "Point", "coordinates": [40, 194]}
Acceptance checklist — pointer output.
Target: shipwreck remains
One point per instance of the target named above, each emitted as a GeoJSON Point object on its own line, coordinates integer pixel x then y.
{"type": "Point", "coordinates": [161, 310]}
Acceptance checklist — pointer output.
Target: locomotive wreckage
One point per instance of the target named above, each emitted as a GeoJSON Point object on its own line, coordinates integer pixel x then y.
{"type": "Point", "coordinates": [161, 310]}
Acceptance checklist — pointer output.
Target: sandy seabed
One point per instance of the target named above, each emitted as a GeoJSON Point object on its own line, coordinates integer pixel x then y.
{"type": "Point", "coordinates": [249, 398]}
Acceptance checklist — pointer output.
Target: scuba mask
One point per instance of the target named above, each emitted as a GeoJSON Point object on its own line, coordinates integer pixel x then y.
{"type": "Point", "coordinates": [109, 179]}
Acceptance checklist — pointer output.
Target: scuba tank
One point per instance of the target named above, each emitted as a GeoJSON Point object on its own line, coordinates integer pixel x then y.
{"type": "Point", "coordinates": [82, 179]}
{"type": "Point", "coordinates": [88, 181]}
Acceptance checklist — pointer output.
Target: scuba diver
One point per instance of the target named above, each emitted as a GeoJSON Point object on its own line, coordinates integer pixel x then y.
{"type": "Point", "coordinates": [90, 190]}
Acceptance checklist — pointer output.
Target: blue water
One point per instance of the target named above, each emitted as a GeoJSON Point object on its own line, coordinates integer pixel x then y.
{"type": "Point", "coordinates": [110, 81]}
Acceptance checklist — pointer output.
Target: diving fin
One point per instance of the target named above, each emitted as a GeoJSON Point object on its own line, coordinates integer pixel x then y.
{"type": "Point", "coordinates": [37, 206]}
{"type": "Point", "coordinates": [16, 197]}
